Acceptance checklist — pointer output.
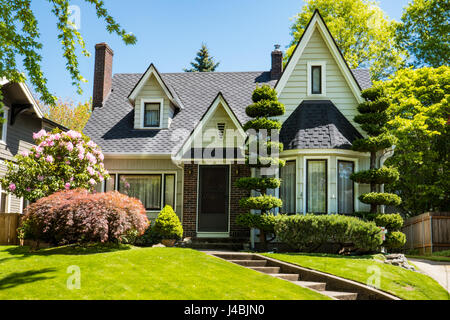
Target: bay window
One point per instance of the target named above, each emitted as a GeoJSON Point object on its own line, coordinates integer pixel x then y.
{"type": "Point", "coordinates": [287, 188]}
{"type": "Point", "coordinates": [345, 187]}
{"type": "Point", "coordinates": [316, 186]}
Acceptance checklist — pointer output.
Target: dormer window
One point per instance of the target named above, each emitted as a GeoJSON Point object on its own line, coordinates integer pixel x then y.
{"type": "Point", "coordinates": [316, 78]}
{"type": "Point", "coordinates": [152, 113]}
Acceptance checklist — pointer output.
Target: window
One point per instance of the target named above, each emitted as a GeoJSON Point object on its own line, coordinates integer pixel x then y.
{"type": "Point", "coordinates": [316, 184]}
{"type": "Point", "coordinates": [154, 190]}
{"type": "Point", "coordinates": [152, 115]}
{"type": "Point", "coordinates": [316, 79]}
{"type": "Point", "coordinates": [4, 202]}
{"type": "Point", "coordinates": [287, 188]}
{"type": "Point", "coordinates": [345, 187]}
{"type": "Point", "coordinates": [110, 185]}
{"type": "Point", "coordinates": [4, 125]}
{"type": "Point", "coordinates": [221, 128]}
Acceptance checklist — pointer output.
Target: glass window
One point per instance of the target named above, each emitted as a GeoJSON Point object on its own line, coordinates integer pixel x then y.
{"type": "Point", "coordinates": [3, 125]}
{"type": "Point", "coordinates": [287, 188]}
{"type": "Point", "coordinates": [151, 114]}
{"type": "Point", "coordinates": [4, 202]}
{"type": "Point", "coordinates": [110, 185]}
{"type": "Point", "coordinates": [316, 181]}
{"type": "Point", "coordinates": [169, 190]}
{"type": "Point", "coordinates": [345, 187]}
{"type": "Point", "coordinates": [316, 79]}
{"type": "Point", "coordinates": [146, 188]}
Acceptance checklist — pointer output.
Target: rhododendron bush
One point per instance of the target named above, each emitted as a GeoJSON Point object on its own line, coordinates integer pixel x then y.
{"type": "Point", "coordinates": [76, 216]}
{"type": "Point", "coordinates": [59, 161]}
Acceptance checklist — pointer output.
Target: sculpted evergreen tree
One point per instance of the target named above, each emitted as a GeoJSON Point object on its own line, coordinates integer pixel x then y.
{"type": "Point", "coordinates": [373, 118]}
{"type": "Point", "coordinates": [262, 152]}
{"type": "Point", "coordinates": [203, 62]}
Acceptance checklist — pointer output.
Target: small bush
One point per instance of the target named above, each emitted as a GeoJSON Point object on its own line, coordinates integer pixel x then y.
{"type": "Point", "coordinates": [265, 222]}
{"type": "Point", "coordinates": [395, 239]}
{"type": "Point", "coordinates": [264, 92]}
{"type": "Point", "coordinates": [265, 108]}
{"type": "Point", "coordinates": [382, 175]}
{"type": "Point", "coordinates": [167, 224]}
{"type": "Point", "coordinates": [265, 202]}
{"type": "Point", "coordinates": [309, 232]}
{"type": "Point", "coordinates": [252, 183]}
{"type": "Point", "coordinates": [378, 198]}
{"type": "Point", "coordinates": [149, 238]}
{"type": "Point", "coordinates": [390, 221]}
{"type": "Point", "coordinates": [76, 216]}
{"type": "Point", "coordinates": [262, 123]}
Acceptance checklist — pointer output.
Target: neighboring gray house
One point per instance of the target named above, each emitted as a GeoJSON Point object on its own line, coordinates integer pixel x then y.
{"type": "Point", "coordinates": [155, 131]}
{"type": "Point", "coordinates": [22, 117]}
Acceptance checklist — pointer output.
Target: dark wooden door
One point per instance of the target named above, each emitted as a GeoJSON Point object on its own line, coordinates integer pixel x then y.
{"type": "Point", "coordinates": [213, 199]}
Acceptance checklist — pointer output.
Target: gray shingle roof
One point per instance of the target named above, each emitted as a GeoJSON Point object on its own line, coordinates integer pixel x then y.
{"type": "Point", "coordinates": [111, 126]}
{"type": "Point", "coordinates": [363, 78]}
{"type": "Point", "coordinates": [317, 124]}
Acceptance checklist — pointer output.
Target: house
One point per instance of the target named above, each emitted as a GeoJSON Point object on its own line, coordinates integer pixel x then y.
{"type": "Point", "coordinates": [23, 117]}
{"type": "Point", "coordinates": [177, 138]}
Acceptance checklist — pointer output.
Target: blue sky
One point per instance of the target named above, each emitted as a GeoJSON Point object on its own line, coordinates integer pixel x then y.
{"type": "Point", "coordinates": [239, 33]}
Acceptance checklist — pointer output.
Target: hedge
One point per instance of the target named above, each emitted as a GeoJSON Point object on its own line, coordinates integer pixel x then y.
{"type": "Point", "coordinates": [388, 199]}
{"type": "Point", "coordinates": [309, 232]}
{"type": "Point", "coordinates": [378, 176]}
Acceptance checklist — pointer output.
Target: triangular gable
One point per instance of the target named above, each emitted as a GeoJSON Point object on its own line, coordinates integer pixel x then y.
{"type": "Point", "coordinates": [27, 93]}
{"type": "Point", "coordinates": [318, 22]}
{"type": "Point", "coordinates": [151, 70]}
{"type": "Point", "coordinates": [207, 116]}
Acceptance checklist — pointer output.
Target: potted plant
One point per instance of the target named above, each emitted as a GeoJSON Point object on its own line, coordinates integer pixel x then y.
{"type": "Point", "coordinates": [168, 226]}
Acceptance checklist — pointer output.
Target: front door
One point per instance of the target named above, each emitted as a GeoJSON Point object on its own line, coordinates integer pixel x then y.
{"type": "Point", "coordinates": [213, 199]}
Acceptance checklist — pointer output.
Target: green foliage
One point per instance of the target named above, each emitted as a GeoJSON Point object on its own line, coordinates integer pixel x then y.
{"type": "Point", "coordinates": [390, 221]}
{"type": "Point", "coordinates": [378, 198]}
{"type": "Point", "coordinates": [69, 115]}
{"type": "Point", "coordinates": [373, 144]}
{"type": "Point", "coordinates": [394, 240]}
{"type": "Point", "coordinates": [264, 92]}
{"type": "Point", "coordinates": [309, 232]}
{"type": "Point", "coordinates": [362, 31]}
{"type": "Point", "coordinates": [419, 110]}
{"type": "Point", "coordinates": [265, 108]}
{"type": "Point", "coordinates": [373, 106]}
{"type": "Point", "coordinates": [264, 162]}
{"type": "Point", "coordinates": [265, 222]}
{"type": "Point", "coordinates": [20, 37]}
{"type": "Point", "coordinates": [168, 225]}
{"type": "Point", "coordinates": [258, 184]}
{"type": "Point", "coordinates": [264, 202]}
{"type": "Point", "coordinates": [425, 32]}
{"type": "Point", "coordinates": [379, 176]}
{"type": "Point", "coordinates": [262, 123]}
{"type": "Point", "coordinates": [203, 62]}
{"type": "Point", "coordinates": [149, 238]}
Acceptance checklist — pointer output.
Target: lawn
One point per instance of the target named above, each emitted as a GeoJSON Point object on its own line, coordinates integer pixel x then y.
{"type": "Point", "coordinates": [403, 283]}
{"type": "Point", "coordinates": [129, 272]}
{"type": "Point", "coordinates": [442, 256]}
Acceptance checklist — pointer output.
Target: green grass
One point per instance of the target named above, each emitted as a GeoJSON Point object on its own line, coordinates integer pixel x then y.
{"type": "Point", "coordinates": [442, 256]}
{"type": "Point", "coordinates": [400, 282]}
{"type": "Point", "coordinates": [127, 272]}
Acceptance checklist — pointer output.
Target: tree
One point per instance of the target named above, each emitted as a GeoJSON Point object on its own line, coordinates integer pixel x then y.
{"type": "Point", "coordinates": [68, 115]}
{"type": "Point", "coordinates": [373, 118]}
{"type": "Point", "coordinates": [20, 37]}
{"type": "Point", "coordinates": [262, 152]}
{"type": "Point", "coordinates": [59, 161]}
{"type": "Point", "coordinates": [419, 109]}
{"type": "Point", "coordinates": [425, 32]}
{"type": "Point", "coordinates": [203, 62]}
{"type": "Point", "coordinates": [363, 33]}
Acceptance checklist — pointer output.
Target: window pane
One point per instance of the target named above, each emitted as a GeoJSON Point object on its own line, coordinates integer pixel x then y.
{"type": "Point", "coordinates": [287, 188]}
{"type": "Point", "coordinates": [4, 202]}
{"type": "Point", "coordinates": [317, 186]}
{"type": "Point", "coordinates": [169, 190]}
{"type": "Point", "coordinates": [316, 79]}
{"type": "Point", "coordinates": [1, 125]}
{"type": "Point", "coordinates": [110, 185]}
{"type": "Point", "coordinates": [146, 188]}
{"type": "Point", "coordinates": [345, 187]}
{"type": "Point", "coordinates": [151, 115]}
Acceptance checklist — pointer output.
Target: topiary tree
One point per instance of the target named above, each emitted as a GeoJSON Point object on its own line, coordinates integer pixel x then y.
{"type": "Point", "coordinates": [392, 222]}
{"type": "Point", "coordinates": [262, 152]}
{"type": "Point", "coordinates": [168, 225]}
{"type": "Point", "coordinates": [373, 118]}
{"type": "Point", "coordinates": [59, 161]}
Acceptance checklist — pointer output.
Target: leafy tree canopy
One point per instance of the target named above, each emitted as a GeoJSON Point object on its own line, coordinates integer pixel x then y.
{"type": "Point", "coordinates": [69, 115]}
{"type": "Point", "coordinates": [362, 32]}
{"type": "Point", "coordinates": [425, 32]}
{"type": "Point", "coordinates": [203, 62]}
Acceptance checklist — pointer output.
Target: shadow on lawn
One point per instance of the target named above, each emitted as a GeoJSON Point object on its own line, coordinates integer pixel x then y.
{"type": "Point", "coordinates": [327, 255]}
{"type": "Point", "coordinates": [18, 278]}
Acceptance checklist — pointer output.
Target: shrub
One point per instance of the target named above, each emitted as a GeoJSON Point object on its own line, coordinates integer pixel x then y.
{"type": "Point", "coordinates": [390, 221]}
{"type": "Point", "coordinates": [253, 183]}
{"type": "Point", "coordinates": [264, 92]}
{"type": "Point", "coordinates": [76, 216]}
{"type": "Point", "coordinates": [167, 224]}
{"type": "Point", "coordinates": [309, 232]}
{"type": "Point", "coordinates": [395, 239]}
{"type": "Point", "coordinates": [265, 202]}
{"type": "Point", "coordinates": [150, 237]}
{"type": "Point", "coordinates": [265, 108]}
{"type": "Point", "coordinates": [378, 176]}
{"type": "Point", "coordinates": [262, 123]}
{"type": "Point", "coordinates": [388, 199]}
{"type": "Point", "coordinates": [265, 222]}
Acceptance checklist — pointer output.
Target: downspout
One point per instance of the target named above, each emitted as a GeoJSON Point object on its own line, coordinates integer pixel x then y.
{"type": "Point", "coordinates": [383, 158]}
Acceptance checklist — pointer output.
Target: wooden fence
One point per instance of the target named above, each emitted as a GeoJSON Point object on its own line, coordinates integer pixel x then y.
{"type": "Point", "coordinates": [9, 222]}
{"type": "Point", "coordinates": [427, 233]}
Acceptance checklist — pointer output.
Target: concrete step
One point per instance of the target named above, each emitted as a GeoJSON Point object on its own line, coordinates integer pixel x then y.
{"type": "Point", "coordinates": [221, 240]}
{"type": "Point", "coordinates": [235, 256]}
{"type": "Point", "coordinates": [250, 263]}
{"type": "Point", "coordinates": [285, 276]}
{"type": "Point", "coordinates": [319, 286]}
{"type": "Point", "coordinates": [340, 295]}
{"type": "Point", "coordinates": [266, 269]}
{"type": "Point", "coordinates": [216, 246]}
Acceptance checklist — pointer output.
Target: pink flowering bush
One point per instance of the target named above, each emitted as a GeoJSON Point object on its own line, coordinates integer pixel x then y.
{"type": "Point", "coordinates": [59, 161]}
{"type": "Point", "coordinates": [77, 216]}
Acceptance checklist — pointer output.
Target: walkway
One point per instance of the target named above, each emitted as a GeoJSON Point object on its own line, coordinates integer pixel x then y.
{"type": "Point", "coordinates": [439, 271]}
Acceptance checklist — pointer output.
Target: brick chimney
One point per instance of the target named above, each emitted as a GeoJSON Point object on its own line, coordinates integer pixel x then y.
{"type": "Point", "coordinates": [277, 63]}
{"type": "Point", "coordinates": [102, 73]}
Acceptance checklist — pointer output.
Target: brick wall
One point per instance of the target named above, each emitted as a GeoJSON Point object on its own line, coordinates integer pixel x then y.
{"type": "Point", "coordinates": [190, 200]}
{"type": "Point", "coordinates": [102, 73]}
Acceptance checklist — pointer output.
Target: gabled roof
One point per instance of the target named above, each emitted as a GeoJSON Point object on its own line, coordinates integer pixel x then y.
{"type": "Point", "coordinates": [27, 94]}
{"type": "Point", "coordinates": [317, 124]}
{"type": "Point", "coordinates": [318, 22]}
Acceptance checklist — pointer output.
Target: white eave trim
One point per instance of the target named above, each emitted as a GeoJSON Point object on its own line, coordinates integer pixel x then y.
{"type": "Point", "coordinates": [317, 22]}
{"type": "Point", "coordinates": [136, 155]}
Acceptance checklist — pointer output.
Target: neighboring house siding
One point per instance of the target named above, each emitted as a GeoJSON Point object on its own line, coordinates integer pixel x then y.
{"type": "Point", "coordinates": [337, 88]}
{"type": "Point", "coordinates": [152, 90]}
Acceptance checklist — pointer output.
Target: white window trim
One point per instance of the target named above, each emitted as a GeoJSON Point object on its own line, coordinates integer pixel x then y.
{"type": "Point", "coordinates": [5, 124]}
{"type": "Point", "coordinates": [8, 201]}
{"type": "Point", "coordinates": [305, 187]}
{"type": "Point", "coordinates": [323, 65]}
{"type": "Point", "coordinates": [356, 185]}
{"type": "Point", "coordinates": [161, 110]}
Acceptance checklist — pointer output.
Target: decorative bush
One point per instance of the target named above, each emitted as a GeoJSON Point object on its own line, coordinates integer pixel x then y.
{"type": "Point", "coordinates": [150, 237]}
{"type": "Point", "coordinates": [264, 202]}
{"type": "Point", "coordinates": [167, 224]}
{"type": "Point", "coordinates": [76, 216]}
{"type": "Point", "coordinates": [377, 198]}
{"type": "Point", "coordinates": [262, 123]}
{"type": "Point", "coordinates": [258, 183]}
{"type": "Point", "coordinates": [381, 175]}
{"type": "Point", "coordinates": [395, 239]}
{"type": "Point", "coordinates": [264, 222]}
{"type": "Point", "coordinates": [390, 221]}
{"type": "Point", "coordinates": [59, 161]}
{"type": "Point", "coordinates": [309, 232]}
{"type": "Point", "coordinates": [262, 108]}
